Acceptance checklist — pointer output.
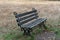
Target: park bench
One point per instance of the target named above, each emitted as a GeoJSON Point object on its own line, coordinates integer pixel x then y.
{"type": "Point", "coordinates": [29, 20]}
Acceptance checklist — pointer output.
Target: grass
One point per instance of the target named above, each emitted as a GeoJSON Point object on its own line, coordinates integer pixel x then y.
{"type": "Point", "coordinates": [7, 20]}
{"type": "Point", "coordinates": [13, 36]}
{"type": "Point", "coordinates": [19, 35]}
{"type": "Point", "coordinates": [56, 30]}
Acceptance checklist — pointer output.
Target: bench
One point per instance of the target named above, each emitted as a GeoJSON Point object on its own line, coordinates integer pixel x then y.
{"type": "Point", "coordinates": [28, 20]}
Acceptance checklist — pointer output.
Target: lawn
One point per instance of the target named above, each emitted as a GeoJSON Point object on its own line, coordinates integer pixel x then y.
{"type": "Point", "coordinates": [18, 35]}
{"type": "Point", "coordinates": [8, 25]}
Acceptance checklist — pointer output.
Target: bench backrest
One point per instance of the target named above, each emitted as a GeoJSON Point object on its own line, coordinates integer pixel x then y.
{"type": "Point", "coordinates": [26, 17]}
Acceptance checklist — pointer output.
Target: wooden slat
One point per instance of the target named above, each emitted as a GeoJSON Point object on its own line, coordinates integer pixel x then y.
{"type": "Point", "coordinates": [25, 21]}
{"type": "Point", "coordinates": [23, 14]}
{"type": "Point", "coordinates": [26, 17]}
{"type": "Point", "coordinates": [34, 23]}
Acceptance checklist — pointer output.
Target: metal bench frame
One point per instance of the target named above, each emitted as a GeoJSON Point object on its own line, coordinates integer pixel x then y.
{"type": "Point", "coordinates": [34, 15]}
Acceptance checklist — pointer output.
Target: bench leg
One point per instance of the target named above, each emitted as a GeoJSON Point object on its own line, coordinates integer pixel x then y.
{"type": "Point", "coordinates": [45, 28]}
{"type": "Point", "coordinates": [42, 26]}
{"type": "Point", "coordinates": [26, 32]}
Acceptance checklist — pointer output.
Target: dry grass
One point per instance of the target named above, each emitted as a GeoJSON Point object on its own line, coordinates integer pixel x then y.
{"type": "Point", "coordinates": [20, 0]}
{"type": "Point", "coordinates": [7, 19]}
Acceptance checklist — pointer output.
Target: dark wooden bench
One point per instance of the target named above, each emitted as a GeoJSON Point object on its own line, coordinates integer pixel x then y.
{"type": "Point", "coordinates": [28, 20]}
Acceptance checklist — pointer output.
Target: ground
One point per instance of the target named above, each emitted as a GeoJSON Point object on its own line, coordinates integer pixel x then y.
{"type": "Point", "coordinates": [46, 36]}
{"type": "Point", "coordinates": [8, 25]}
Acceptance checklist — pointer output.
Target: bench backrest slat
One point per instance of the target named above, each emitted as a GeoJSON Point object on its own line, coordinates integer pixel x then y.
{"type": "Point", "coordinates": [27, 20]}
{"type": "Point", "coordinates": [26, 13]}
{"type": "Point", "coordinates": [26, 17]}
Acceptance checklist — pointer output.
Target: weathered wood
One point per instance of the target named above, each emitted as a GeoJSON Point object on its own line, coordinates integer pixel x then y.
{"type": "Point", "coordinates": [34, 23]}
{"type": "Point", "coordinates": [23, 14]}
{"type": "Point", "coordinates": [24, 18]}
{"type": "Point", "coordinates": [25, 21]}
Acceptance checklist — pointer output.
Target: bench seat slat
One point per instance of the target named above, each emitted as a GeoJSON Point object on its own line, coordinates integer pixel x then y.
{"type": "Point", "coordinates": [34, 23]}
